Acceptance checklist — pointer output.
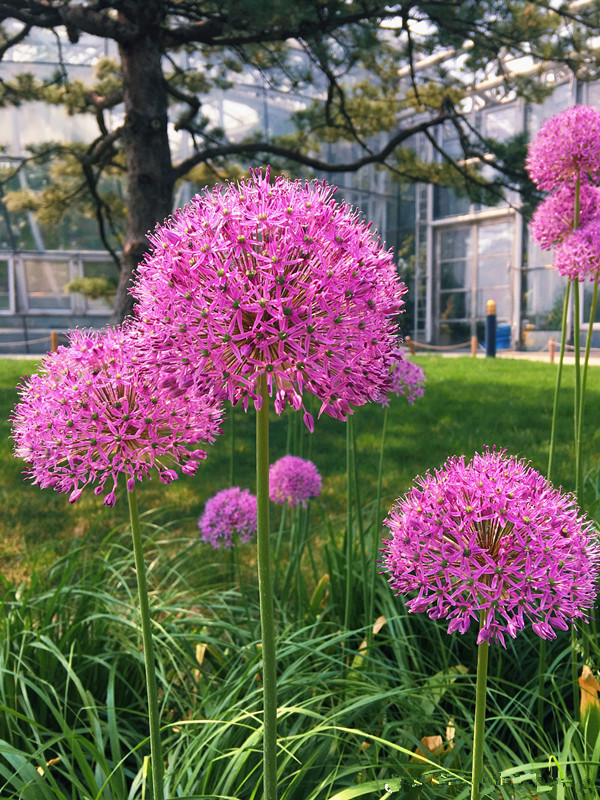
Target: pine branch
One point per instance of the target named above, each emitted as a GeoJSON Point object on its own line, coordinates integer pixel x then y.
{"type": "Point", "coordinates": [248, 148]}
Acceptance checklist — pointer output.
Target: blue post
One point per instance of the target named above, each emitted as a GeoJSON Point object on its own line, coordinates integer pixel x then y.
{"type": "Point", "coordinates": [490, 329]}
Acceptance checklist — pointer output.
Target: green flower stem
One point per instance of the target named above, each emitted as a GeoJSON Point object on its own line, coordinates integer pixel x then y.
{"type": "Point", "coordinates": [577, 397]}
{"type": "Point", "coordinates": [232, 447]}
{"type": "Point", "coordinates": [156, 755]}
{"type": "Point", "coordinates": [376, 526]}
{"type": "Point", "coordinates": [359, 519]}
{"type": "Point", "coordinates": [348, 541]}
{"type": "Point", "coordinates": [541, 694]}
{"type": "Point", "coordinates": [278, 543]}
{"type": "Point", "coordinates": [563, 338]}
{"type": "Point", "coordinates": [267, 616]}
{"type": "Point", "coordinates": [586, 362]}
{"type": "Point", "coordinates": [480, 703]}
{"type": "Point", "coordinates": [561, 359]}
{"type": "Point", "coordinates": [577, 348]}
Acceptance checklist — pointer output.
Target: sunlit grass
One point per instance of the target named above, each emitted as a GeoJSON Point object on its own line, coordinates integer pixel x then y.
{"type": "Point", "coordinates": [468, 403]}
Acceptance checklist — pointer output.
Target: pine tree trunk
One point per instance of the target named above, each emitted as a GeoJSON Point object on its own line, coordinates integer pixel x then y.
{"type": "Point", "coordinates": [146, 145]}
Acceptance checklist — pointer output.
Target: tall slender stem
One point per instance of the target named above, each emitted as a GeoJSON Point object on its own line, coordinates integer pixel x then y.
{"type": "Point", "coordinates": [480, 704]}
{"type": "Point", "coordinates": [577, 395]}
{"type": "Point", "coordinates": [156, 755]}
{"type": "Point", "coordinates": [348, 540]}
{"type": "Point", "coordinates": [561, 359]}
{"type": "Point", "coordinates": [577, 348]}
{"type": "Point", "coordinates": [371, 611]}
{"type": "Point", "coordinates": [232, 447]}
{"type": "Point", "coordinates": [267, 616]}
{"type": "Point", "coordinates": [586, 361]}
{"type": "Point", "coordinates": [359, 519]}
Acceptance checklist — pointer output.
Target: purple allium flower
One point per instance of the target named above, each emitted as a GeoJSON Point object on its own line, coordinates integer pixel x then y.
{"type": "Point", "coordinates": [276, 279]}
{"type": "Point", "coordinates": [553, 219]}
{"type": "Point", "coordinates": [408, 380]}
{"type": "Point", "coordinates": [89, 414]}
{"type": "Point", "coordinates": [567, 146]}
{"type": "Point", "coordinates": [230, 513]}
{"type": "Point", "coordinates": [293, 480]}
{"type": "Point", "coordinates": [493, 537]}
{"type": "Point", "coordinates": [578, 255]}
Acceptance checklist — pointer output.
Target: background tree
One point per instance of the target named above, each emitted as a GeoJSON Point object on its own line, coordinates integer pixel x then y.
{"type": "Point", "coordinates": [358, 60]}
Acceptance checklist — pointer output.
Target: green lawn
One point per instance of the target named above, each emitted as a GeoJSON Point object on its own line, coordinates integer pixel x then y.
{"type": "Point", "coordinates": [468, 403]}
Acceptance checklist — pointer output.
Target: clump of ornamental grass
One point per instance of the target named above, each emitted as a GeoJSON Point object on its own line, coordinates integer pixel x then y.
{"type": "Point", "coordinates": [270, 290]}
{"type": "Point", "coordinates": [492, 541]}
{"type": "Point", "coordinates": [294, 480]}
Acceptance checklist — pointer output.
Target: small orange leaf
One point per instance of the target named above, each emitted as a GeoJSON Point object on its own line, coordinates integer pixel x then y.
{"type": "Point", "coordinates": [434, 745]}
{"type": "Point", "coordinates": [589, 691]}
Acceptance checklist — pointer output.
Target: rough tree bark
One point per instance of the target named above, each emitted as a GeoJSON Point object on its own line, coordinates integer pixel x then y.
{"type": "Point", "coordinates": [150, 177]}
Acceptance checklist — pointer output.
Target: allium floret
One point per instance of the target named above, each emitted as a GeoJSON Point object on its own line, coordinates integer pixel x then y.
{"type": "Point", "coordinates": [492, 537]}
{"type": "Point", "coordinates": [408, 380]}
{"type": "Point", "coordinates": [229, 514]}
{"type": "Point", "coordinates": [578, 255]}
{"type": "Point", "coordinates": [275, 279]}
{"type": "Point", "coordinates": [90, 414]}
{"type": "Point", "coordinates": [567, 147]}
{"type": "Point", "coordinates": [294, 480]}
{"type": "Point", "coordinates": [554, 218]}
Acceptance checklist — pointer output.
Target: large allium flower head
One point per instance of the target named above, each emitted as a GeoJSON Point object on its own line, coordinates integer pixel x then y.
{"type": "Point", "coordinates": [492, 537]}
{"type": "Point", "coordinates": [578, 255]}
{"type": "Point", "coordinates": [274, 279]}
{"type": "Point", "coordinates": [230, 513]}
{"type": "Point", "coordinates": [567, 146]}
{"type": "Point", "coordinates": [408, 380]}
{"type": "Point", "coordinates": [553, 219]}
{"type": "Point", "coordinates": [293, 480]}
{"type": "Point", "coordinates": [90, 414]}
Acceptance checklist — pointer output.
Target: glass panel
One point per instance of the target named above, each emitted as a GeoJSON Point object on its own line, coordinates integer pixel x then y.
{"type": "Point", "coordinates": [455, 244]}
{"type": "Point", "coordinates": [447, 203]}
{"type": "Point", "coordinates": [501, 123]}
{"type": "Point", "coordinates": [543, 295]}
{"type": "Point", "coordinates": [453, 274]}
{"type": "Point", "coordinates": [455, 333]}
{"type": "Point", "coordinates": [4, 286]}
{"type": "Point", "coordinates": [453, 305]}
{"type": "Point", "coordinates": [107, 272]}
{"type": "Point", "coordinates": [587, 303]}
{"type": "Point", "coordinates": [492, 271]}
{"type": "Point", "coordinates": [556, 102]}
{"type": "Point", "coordinates": [593, 93]}
{"type": "Point", "coordinates": [46, 281]}
{"type": "Point", "coordinates": [494, 239]}
{"type": "Point", "coordinates": [502, 298]}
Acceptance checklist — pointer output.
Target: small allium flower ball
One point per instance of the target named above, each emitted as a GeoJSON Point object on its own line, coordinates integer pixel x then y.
{"type": "Point", "coordinates": [567, 146]}
{"type": "Point", "coordinates": [89, 415]}
{"type": "Point", "coordinates": [293, 480]}
{"type": "Point", "coordinates": [578, 255]}
{"type": "Point", "coordinates": [230, 513]}
{"type": "Point", "coordinates": [274, 279]}
{"type": "Point", "coordinates": [492, 537]}
{"type": "Point", "coordinates": [408, 380]}
{"type": "Point", "coordinates": [554, 218]}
